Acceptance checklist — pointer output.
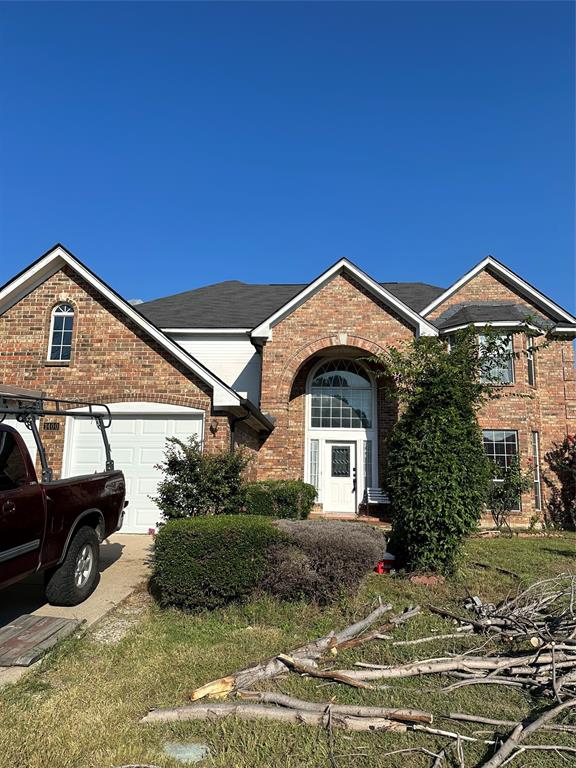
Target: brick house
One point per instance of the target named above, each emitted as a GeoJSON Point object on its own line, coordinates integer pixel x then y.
{"type": "Point", "coordinates": [276, 368]}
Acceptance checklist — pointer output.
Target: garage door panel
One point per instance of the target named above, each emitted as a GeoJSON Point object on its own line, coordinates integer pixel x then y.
{"type": "Point", "coordinates": [149, 456]}
{"type": "Point", "coordinates": [91, 457]}
{"type": "Point", "coordinates": [147, 486]}
{"type": "Point", "coordinates": [121, 455]}
{"type": "Point", "coordinates": [179, 429]}
{"type": "Point", "coordinates": [138, 443]}
{"type": "Point", "coordinates": [121, 427]}
{"type": "Point", "coordinates": [155, 427]}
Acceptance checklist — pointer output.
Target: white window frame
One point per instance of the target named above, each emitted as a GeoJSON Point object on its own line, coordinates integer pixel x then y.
{"type": "Point", "coordinates": [517, 454]}
{"type": "Point", "coordinates": [530, 360]}
{"type": "Point", "coordinates": [71, 312]}
{"type": "Point", "coordinates": [344, 434]}
{"type": "Point", "coordinates": [512, 381]}
{"type": "Point", "coordinates": [537, 478]}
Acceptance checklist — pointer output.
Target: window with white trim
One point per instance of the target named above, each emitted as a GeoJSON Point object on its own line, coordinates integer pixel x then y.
{"type": "Point", "coordinates": [500, 371]}
{"type": "Point", "coordinates": [536, 460]}
{"type": "Point", "coordinates": [61, 326]}
{"type": "Point", "coordinates": [531, 361]}
{"type": "Point", "coordinates": [314, 464]}
{"type": "Point", "coordinates": [501, 446]}
{"type": "Point", "coordinates": [341, 396]}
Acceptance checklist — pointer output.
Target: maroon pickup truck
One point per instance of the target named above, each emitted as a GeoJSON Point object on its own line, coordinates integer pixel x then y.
{"type": "Point", "coordinates": [54, 526]}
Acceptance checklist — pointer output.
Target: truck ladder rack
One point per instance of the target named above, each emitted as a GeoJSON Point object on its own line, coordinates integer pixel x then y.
{"type": "Point", "coordinates": [28, 407]}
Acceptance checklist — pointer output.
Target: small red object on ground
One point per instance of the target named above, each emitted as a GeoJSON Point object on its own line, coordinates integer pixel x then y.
{"type": "Point", "coordinates": [386, 564]}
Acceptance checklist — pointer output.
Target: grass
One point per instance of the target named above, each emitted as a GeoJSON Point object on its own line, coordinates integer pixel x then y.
{"type": "Point", "coordinates": [81, 708]}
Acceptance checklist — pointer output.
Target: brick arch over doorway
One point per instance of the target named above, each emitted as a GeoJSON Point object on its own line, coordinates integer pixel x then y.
{"type": "Point", "coordinates": [282, 455]}
{"type": "Point", "coordinates": [327, 344]}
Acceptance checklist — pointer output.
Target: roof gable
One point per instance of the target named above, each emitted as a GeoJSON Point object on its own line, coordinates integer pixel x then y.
{"type": "Point", "coordinates": [422, 326]}
{"type": "Point", "coordinates": [52, 261]}
{"type": "Point", "coordinates": [519, 285]}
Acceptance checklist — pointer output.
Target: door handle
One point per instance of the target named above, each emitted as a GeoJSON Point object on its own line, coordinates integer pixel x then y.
{"type": "Point", "coordinates": [8, 507]}
{"type": "Point", "coordinates": [354, 480]}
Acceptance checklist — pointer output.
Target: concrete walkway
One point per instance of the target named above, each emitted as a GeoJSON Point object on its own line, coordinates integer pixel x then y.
{"type": "Point", "coordinates": [123, 565]}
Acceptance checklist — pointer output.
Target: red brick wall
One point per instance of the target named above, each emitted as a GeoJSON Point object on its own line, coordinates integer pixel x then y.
{"type": "Point", "coordinates": [112, 359]}
{"type": "Point", "coordinates": [341, 316]}
{"type": "Point", "coordinates": [549, 408]}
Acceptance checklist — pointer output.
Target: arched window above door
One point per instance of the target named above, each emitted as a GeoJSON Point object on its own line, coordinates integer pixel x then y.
{"type": "Point", "coordinates": [341, 396]}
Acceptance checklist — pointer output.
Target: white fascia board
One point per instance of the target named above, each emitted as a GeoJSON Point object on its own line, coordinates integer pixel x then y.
{"type": "Point", "coordinates": [494, 324]}
{"type": "Point", "coordinates": [424, 328]}
{"type": "Point", "coordinates": [55, 259]}
{"type": "Point", "coordinates": [510, 277]}
{"type": "Point", "coordinates": [207, 331]}
{"type": "Point", "coordinates": [568, 329]}
{"type": "Point", "coordinates": [28, 280]}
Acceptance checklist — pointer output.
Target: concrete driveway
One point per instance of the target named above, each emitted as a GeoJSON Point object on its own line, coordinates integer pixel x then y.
{"type": "Point", "coordinates": [124, 563]}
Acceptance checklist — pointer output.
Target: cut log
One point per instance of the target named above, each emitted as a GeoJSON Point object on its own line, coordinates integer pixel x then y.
{"type": "Point", "coordinates": [391, 713]}
{"type": "Point", "coordinates": [312, 671]}
{"type": "Point", "coordinates": [248, 711]}
{"type": "Point", "coordinates": [247, 678]}
{"type": "Point", "coordinates": [376, 634]}
{"type": "Point", "coordinates": [525, 665]}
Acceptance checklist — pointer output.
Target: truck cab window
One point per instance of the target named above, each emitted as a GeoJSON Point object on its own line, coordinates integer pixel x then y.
{"type": "Point", "coordinates": [13, 473]}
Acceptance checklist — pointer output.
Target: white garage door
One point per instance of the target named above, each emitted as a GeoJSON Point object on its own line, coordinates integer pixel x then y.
{"type": "Point", "coordinates": [137, 443]}
{"type": "Point", "coordinates": [27, 435]}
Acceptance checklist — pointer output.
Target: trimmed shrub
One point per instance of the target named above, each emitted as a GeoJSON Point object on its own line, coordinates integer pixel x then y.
{"type": "Point", "coordinates": [321, 559]}
{"type": "Point", "coordinates": [196, 483]}
{"type": "Point", "coordinates": [280, 498]}
{"type": "Point", "coordinates": [207, 562]}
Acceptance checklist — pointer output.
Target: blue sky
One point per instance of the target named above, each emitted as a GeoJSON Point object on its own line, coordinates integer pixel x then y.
{"type": "Point", "coordinates": [171, 145]}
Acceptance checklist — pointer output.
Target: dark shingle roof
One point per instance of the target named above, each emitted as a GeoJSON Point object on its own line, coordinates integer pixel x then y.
{"type": "Point", "coordinates": [488, 313]}
{"type": "Point", "coordinates": [233, 304]}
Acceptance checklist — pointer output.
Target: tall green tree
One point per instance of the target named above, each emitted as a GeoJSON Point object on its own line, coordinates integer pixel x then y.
{"type": "Point", "coordinates": [437, 473]}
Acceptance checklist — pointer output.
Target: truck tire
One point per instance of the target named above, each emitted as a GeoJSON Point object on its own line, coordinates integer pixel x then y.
{"type": "Point", "coordinates": [78, 574]}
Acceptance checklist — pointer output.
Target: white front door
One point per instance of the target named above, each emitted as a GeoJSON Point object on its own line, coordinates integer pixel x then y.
{"type": "Point", "coordinates": [340, 476]}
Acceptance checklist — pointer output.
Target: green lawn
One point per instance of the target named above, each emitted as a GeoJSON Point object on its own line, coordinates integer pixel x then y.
{"type": "Point", "coordinates": [81, 708]}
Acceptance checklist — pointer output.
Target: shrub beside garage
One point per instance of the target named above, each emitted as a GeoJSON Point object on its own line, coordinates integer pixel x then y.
{"type": "Point", "coordinates": [195, 483]}
{"type": "Point", "coordinates": [208, 562]}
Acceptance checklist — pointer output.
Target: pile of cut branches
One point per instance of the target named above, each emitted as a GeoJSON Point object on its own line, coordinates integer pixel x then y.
{"type": "Point", "coordinates": [538, 622]}
{"type": "Point", "coordinates": [542, 613]}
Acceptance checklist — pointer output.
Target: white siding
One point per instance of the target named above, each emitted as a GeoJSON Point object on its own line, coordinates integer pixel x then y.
{"type": "Point", "coordinates": [231, 357]}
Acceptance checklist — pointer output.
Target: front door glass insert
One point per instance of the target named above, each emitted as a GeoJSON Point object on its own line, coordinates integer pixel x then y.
{"type": "Point", "coordinates": [340, 461]}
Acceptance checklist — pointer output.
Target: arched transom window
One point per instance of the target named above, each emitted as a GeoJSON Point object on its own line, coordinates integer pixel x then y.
{"type": "Point", "coordinates": [60, 346]}
{"type": "Point", "coordinates": [341, 396]}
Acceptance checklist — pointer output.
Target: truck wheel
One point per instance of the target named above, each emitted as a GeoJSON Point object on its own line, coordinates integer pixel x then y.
{"type": "Point", "coordinates": [78, 574]}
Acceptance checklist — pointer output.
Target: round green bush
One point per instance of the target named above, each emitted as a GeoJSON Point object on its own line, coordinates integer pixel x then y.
{"type": "Point", "coordinates": [208, 562]}
{"type": "Point", "coordinates": [320, 559]}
